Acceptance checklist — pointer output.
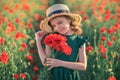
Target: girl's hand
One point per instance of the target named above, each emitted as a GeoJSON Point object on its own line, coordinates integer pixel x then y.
{"type": "Point", "coordinates": [52, 63]}
{"type": "Point", "coordinates": [39, 35]}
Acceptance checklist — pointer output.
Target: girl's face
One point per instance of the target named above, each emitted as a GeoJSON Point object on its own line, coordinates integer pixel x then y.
{"type": "Point", "coordinates": [61, 25]}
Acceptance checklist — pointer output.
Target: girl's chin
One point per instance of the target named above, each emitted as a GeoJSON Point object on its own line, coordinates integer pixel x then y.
{"type": "Point", "coordinates": [63, 32]}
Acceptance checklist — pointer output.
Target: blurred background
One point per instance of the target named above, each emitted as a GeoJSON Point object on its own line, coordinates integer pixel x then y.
{"type": "Point", "coordinates": [20, 19]}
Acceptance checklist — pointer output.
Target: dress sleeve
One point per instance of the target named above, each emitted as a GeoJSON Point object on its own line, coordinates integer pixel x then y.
{"type": "Point", "coordinates": [82, 40]}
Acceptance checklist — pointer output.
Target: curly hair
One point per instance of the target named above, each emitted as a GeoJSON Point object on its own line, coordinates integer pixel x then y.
{"type": "Point", "coordinates": [77, 29]}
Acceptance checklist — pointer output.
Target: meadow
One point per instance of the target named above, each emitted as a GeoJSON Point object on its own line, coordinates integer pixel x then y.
{"type": "Point", "coordinates": [20, 19]}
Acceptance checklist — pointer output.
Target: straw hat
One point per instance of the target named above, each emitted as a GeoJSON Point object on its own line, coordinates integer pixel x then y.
{"type": "Point", "coordinates": [54, 11]}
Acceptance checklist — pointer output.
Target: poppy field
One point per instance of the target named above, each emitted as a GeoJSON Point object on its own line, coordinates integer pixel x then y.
{"type": "Point", "coordinates": [20, 19]}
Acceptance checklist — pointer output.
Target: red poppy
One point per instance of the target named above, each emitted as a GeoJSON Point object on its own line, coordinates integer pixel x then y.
{"type": "Point", "coordinates": [57, 42]}
{"type": "Point", "coordinates": [100, 8]}
{"type": "Point", "coordinates": [31, 51]}
{"type": "Point", "coordinates": [0, 23]}
{"type": "Point", "coordinates": [35, 78]}
{"type": "Point", "coordinates": [112, 78]}
{"type": "Point", "coordinates": [24, 45]}
{"type": "Point", "coordinates": [85, 18]}
{"type": "Point", "coordinates": [17, 6]}
{"type": "Point", "coordinates": [65, 48]}
{"type": "Point", "coordinates": [102, 49]}
{"type": "Point", "coordinates": [29, 25]}
{"type": "Point", "coordinates": [4, 57]}
{"type": "Point", "coordinates": [11, 11]}
{"type": "Point", "coordinates": [5, 6]}
{"type": "Point", "coordinates": [17, 20]}
{"type": "Point", "coordinates": [3, 19]}
{"type": "Point", "coordinates": [103, 38]}
{"type": "Point", "coordinates": [16, 76]}
{"type": "Point", "coordinates": [114, 38]}
{"type": "Point", "coordinates": [35, 68]}
{"type": "Point", "coordinates": [26, 7]}
{"type": "Point", "coordinates": [10, 28]}
{"type": "Point", "coordinates": [109, 43]}
{"type": "Point", "coordinates": [110, 30]}
{"type": "Point", "coordinates": [22, 75]}
{"type": "Point", "coordinates": [107, 15]}
{"type": "Point", "coordinates": [29, 57]}
{"type": "Point", "coordinates": [89, 48]}
{"type": "Point", "coordinates": [2, 40]}
{"type": "Point", "coordinates": [19, 35]}
{"type": "Point", "coordinates": [37, 17]}
{"type": "Point", "coordinates": [117, 25]}
{"type": "Point", "coordinates": [103, 29]}
{"type": "Point", "coordinates": [82, 12]}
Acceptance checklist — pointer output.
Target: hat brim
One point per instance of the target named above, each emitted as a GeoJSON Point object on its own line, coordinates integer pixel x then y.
{"type": "Point", "coordinates": [44, 26]}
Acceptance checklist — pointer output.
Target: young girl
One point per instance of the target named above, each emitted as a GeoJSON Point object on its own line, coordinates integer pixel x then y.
{"type": "Point", "coordinates": [59, 20]}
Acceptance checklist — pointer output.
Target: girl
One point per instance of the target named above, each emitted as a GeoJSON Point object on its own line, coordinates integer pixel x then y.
{"type": "Point", "coordinates": [59, 20]}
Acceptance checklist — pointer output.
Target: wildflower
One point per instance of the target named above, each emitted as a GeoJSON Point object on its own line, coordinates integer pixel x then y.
{"type": "Point", "coordinates": [16, 76]}
{"type": "Point", "coordinates": [31, 51]}
{"type": "Point", "coordinates": [89, 48]}
{"type": "Point", "coordinates": [24, 45]}
{"type": "Point", "coordinates": [35, 78]}
{"type": "Point", "coordinates": [85, 18]}
{"type": "Point", "coordinates": [37, 17]}
{"type": "Point", "coordinates": [10, 28]}
{"type": "Point", "coordinates": [52, 40]}
{"type": "Point", "coordinates": [11, 11]}
{"type": "Point", "coordinates": [17, 6]}
{"type": "Point", "coordinates": [82, 12]}
{"type": "Point", "coordinates": [29, 57]}
{"type": "Point", "coordinates": [102, 49]}
{"type": "Point", "coordinates": [4, 57]}
{"type": "Point", "coordinates": [110, 30]}
{"type": "Point", "coordinates": [114, 38]}
{"type": "Point", "coordinates": [102, 30]}
{"type": "Point", "coordinates": [29, 25]}
{"type": "Point", "coordinates": [35, 68]}
{"type": "Point", "coordinates": [107, 15]}
{"type": "Point", "coordinates": [103, 38]}
{"type": "Point", "coordinates": [2, 40]}
{"type": "Point", "coordinates": [20, 35]}
{"type": "Point", "coordinates": [5, 7]}
{"type": "Point", "coordinates": [109, 43]}
{"type": "Point", "coordinates": [17, 20]}
{"type": "Point", "coordinates": [22, 75]}
{"type": "Point", "coordinates": [112, 78]}
{"type": "Point", "coordinates": [26, 7]}
{"type": "Point", "coordinates": [100, 8]}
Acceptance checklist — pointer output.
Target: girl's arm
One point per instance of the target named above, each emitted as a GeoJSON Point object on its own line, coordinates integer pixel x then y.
{"type": "Point", "coordinates": [80, 65]}
{"type": "Point", "coordinates": [43, 54]}
{"type": "Point", "coordinates": [82, 62]}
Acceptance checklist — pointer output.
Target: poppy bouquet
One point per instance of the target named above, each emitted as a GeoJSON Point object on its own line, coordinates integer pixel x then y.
{"type": "Point", "coordinates": [58, 42]}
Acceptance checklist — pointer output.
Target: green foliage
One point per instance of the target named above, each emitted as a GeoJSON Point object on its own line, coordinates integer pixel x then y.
{"type": "Point", "coordinates": [19, 20]}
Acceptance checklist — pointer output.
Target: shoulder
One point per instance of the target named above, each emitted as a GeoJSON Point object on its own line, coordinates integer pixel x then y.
{"type": "Point", "coordinates": [82, 40]}
{"type": "Point", "coordinates": [83, 37]}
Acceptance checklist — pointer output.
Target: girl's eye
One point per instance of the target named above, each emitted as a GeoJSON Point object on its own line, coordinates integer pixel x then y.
{"type": "Point", "coordinates": [60, 22]}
